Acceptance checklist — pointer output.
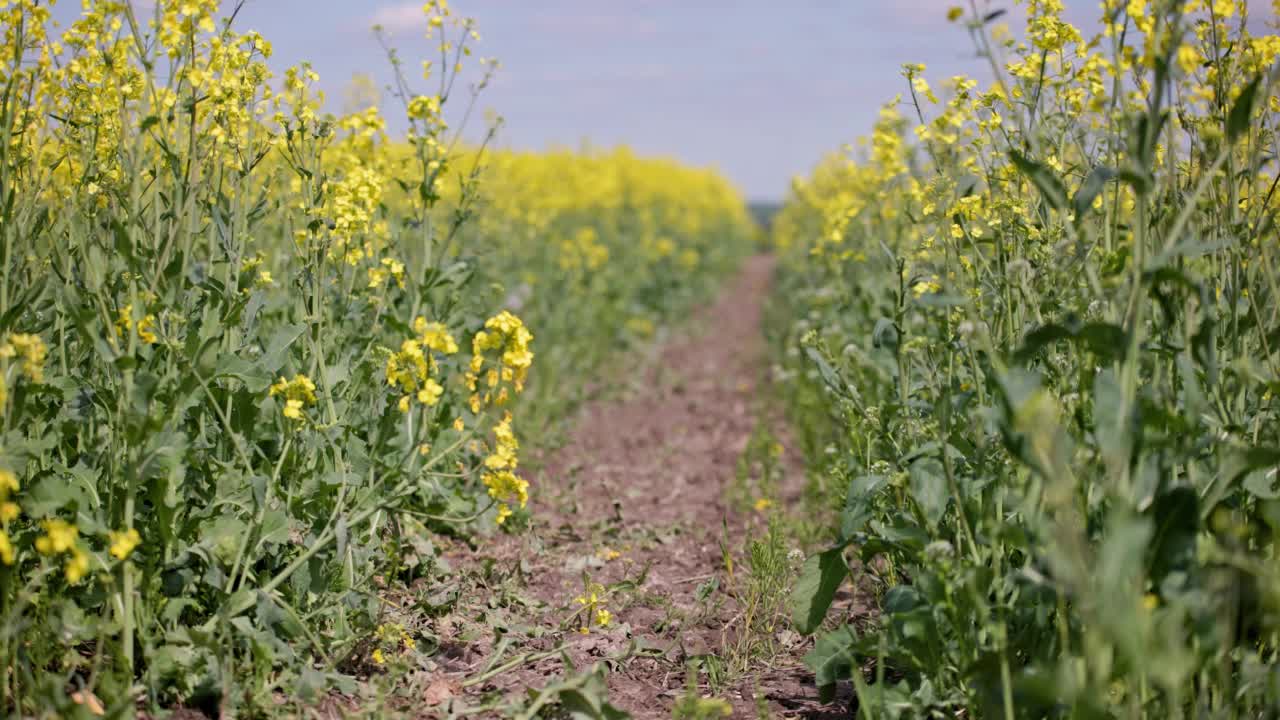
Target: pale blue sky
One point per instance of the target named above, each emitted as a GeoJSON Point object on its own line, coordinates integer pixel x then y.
{"type": "Point", "coordinates": [758, 88]}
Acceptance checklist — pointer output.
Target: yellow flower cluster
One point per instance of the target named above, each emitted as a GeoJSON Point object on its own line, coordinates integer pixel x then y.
{"type": "Point", "coordinates": [352, 204]}
{"type": "Point", "coordinates": [390, 269]}
{"type": "Point", "coordinates": [499, 477]}
{"type": "Point", "coordinates": [182, 19]}
{"type": "Point", "coordinates": [592, 604]}
{"type": "Point", "coordinates": [506, 337]}
{"type": "Point", "coordinates": [146, 326]}
{"type": "Point", "coordinates": [391, 637]}
{"type": "Point", "coordinates": [61, 537]}
{"type": "Point", "coordinates": [124, 542]}
{"type": "Point", "coordinates": [424, 107]}
{"type": "Point", "coordinates": [298, 393]}
{"type": "Point", "coordinates": [413, 368]}
{"type": "Point", "coordinates": [8, 512]}
{"type": "Point", "coordinates": [31, 350]}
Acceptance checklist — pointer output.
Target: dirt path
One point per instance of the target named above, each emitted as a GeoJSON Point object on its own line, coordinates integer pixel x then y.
{"type": "Point", "coordinates": [637, 501]}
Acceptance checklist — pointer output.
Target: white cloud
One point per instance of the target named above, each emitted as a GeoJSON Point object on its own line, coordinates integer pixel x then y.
{"type": "Point", "coordinates": [400, 19]}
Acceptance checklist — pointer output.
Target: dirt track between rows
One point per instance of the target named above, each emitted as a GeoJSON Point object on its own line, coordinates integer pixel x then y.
{"type": "Point", "coordinates": [637, 494]}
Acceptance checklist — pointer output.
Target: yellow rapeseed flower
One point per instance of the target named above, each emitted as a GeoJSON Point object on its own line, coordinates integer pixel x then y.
{"type": "Point", "coordinates": [925, 287]}
{"type": "Point", "coordinates": [506, 335]}
{"type": "Point", "coordinates": [504, 453]}
{"type": "Point", "coordinates": [76, 566]}
{"type": "Point", "coordinates": [8, 482]}
{"type": "Point", "coordinates": [298, 393]}
{"type": "Point", "coordinates": [435, 336]}
{"type": "Point", "coordinates": [124, 542]}
{"type": "Point", "coordinates": [60, 536]}
{"type": "Point", "coordinates": [410, 370]}
{"type": "Point", "coordinates": [31, 349]}
{"type": "Point", "coordinates": [146, 326]}
{"type": "Point", "coordinates": [146, 330]}
{"type": "Point", "coordinates": [506, 487]}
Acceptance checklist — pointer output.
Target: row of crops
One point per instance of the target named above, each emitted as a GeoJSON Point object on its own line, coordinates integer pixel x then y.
{"type": "Point", "coordinates": [252, 353]}
{"type": "Point", "coordinates": [1035, 359]}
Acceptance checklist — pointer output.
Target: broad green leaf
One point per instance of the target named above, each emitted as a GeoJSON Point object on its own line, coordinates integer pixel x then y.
{"type": "Point", "coordinates": [281, 339]}
{"type": "Point", "coordinates": [582, 705]}
{"type": "Point", "coordinates": [816, 588]}
{"type": "Point", "coordinates": [929, 488]}
{"type": "Point", "coordinates": [1262, 484]}
{"type": "Point", "coordinates": [255, 378]}
{"type": "Point", "coordinates": [832, 659]}
{"type": "Point", "coordinates": [885, 335]}
{"type": "Point", "coordinates": [49, 495]}
{"type": "Point", "coordinates": [1111, 430]}
{"type": "Point", "coordinates": [1242, 111]}
{"type": "Point", "coordinates": [1257, 468]}
{"type": "Point", "coordinates": [1103, 339]}
{"type": "Point", "coordinates": [1176, 519]}
{"type": "Point", "coordinates": [1038, 339]}
{"type": "Point", "coordinates": [858, 504]}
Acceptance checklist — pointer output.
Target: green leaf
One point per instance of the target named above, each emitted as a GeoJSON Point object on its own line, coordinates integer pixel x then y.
{"type": "Point", "coordinates": [1176, 515]}
{"type": "Point", "coordinates": [1112, 430]}
{"type": "Point", "coordinates": [858, 504]}
{"type": "Point", "coordinates": [273, 358]}
{"type": "Point", "coordinates": [1262, 485]}
{"type": "Point", "coordinates": [830, 376]}
{"type": "Point", "coordinates": [939, 300]}
{"type": "Point", "coordinates": [1257, 467]}
{"type": "Point", "coordinates": [1089, 190]}
{"type": "Point", "coordinates": [51, 494]}
{"type": "Point", "coordinates": [816, 588]}
{"type": "Point", "coordinates": [1140, 179]}
{"type": "Point", "coordinates": [1038, 339]}
{"type": "Point", "coordinates": [1103, 339]}
{"type": "Point", "coordinates": [1045, 180]}
{"type": "Point", "coordinates": [275, 528]}
{"type": "Point", "coordinates": [885, 335]}
{"type": "Point", "coordinates": [1143, 136]}
{"type": "Point", "coordinates": [929, 489]}
{"type": "Point", "coordinates": [250, 373]}
{"type": "Point", "coordinates": [582, 706]}
{"type": "Point", "coordinates": [832, 659]}
{"type": "Point", "coordinates": [1242, 112]}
